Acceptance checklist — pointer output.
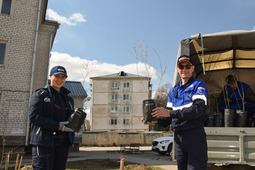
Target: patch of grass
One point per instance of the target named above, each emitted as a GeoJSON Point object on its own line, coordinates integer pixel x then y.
{"type": "Point", "coordinates": [93, 164]}
{"type": "Point", "coordinates": [140, 167]}
{"type": "Point", "coordinates": [105, 164]}
{"type": "Point", "coordinates": [100, 164]}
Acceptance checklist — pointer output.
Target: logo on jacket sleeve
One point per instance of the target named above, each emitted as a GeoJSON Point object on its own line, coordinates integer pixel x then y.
{"type": "Point", "coordinates": [201, 90]}
{"type": "Point", "coordinates": [46, 99]}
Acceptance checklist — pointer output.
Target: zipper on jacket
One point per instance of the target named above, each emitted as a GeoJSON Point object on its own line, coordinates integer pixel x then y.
{"type": "Point", "coordinates": [70, 105]}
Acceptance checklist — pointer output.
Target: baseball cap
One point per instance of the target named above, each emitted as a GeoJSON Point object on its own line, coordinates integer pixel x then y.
{"type": "Point", "coordinates": [57, 70]}
{"type": "Point", "coordinates": [184, 58]}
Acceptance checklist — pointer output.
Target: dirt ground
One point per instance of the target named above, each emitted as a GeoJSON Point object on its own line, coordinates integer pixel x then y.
{"type": "Point", "coordinates": [144, 157]}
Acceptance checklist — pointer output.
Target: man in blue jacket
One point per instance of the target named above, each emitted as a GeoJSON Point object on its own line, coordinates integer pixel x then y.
{"type": "Point", "coordinates": [238, 95]}
{"type": "Point", "coordinates": [185, 112]}
{"type": "Point", "coordinates": [49, 110]}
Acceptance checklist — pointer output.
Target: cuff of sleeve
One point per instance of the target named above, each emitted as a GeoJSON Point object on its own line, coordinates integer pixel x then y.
{"type": "Point", "coordinates": [172, 113]}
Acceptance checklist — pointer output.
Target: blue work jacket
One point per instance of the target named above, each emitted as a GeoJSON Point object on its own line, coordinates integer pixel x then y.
{"type": "Point", "coordinates": [188, 105]}
{"type": "Point", "coordinates": [41, 114]}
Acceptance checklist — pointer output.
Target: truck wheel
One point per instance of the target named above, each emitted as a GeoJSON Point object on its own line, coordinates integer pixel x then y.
{"type": "Point", "coordinates": [169, 149]}
{"type": "Point", "coordinates": [162, 153]}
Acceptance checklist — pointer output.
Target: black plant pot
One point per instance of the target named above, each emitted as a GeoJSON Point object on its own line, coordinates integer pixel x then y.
{"type": "Point", "coordinates": [215, 120]}
{"type": "Point", "coordinates": [210, 121]}
{"type": "Point", "coordinates": [241, 117]}
{"type": "Point", "coordinates": [219, 120]}
{"type": "Point", "coordinates": [76, 120]}
{"type": "Point", "coordinates": [229, 117]}
{"type": "Point", "coordinates": [148, 106]}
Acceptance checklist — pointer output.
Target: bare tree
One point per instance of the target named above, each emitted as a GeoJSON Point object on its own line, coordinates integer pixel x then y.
{"type": "Point", "coordinates": [85, 72]}
{"type": "Point", "coordinates": [88, 68]}
{"type": "Point", "coordinates": [161, 98]}
{"type": "Point", "coordinates": [162, 95]}
{"type": "Point", "coordinates": [141, 54]}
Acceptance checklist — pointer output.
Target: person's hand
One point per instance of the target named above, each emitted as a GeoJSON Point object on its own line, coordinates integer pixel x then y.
{"type": "Point", "coordinates": [160, 112]}
{"type": "Point", "coordinates": [148, 123]}
{"type": "Point", "coordinates": [63, 128]}
{"type": "Point", "coordinates": [66, 129]}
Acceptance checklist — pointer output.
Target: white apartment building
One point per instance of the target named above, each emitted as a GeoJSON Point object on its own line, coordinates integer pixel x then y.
{"type": "Point", "coordinates": [117, 100]}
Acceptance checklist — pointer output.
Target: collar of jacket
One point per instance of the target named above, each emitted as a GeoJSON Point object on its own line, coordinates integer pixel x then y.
{"type": "Point", "coordinates": [63, 90]}
{"type": "Point", "coordinates": [187, 84]}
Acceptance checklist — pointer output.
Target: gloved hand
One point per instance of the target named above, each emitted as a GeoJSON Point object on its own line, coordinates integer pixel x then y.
{"type": "Point", "coordinates": [63, 128]}
{"type": "Point", "coordinates": [66, 129]}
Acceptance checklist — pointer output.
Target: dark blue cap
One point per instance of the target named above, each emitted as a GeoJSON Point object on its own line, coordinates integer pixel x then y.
{"type": "Point", "coordinates": [58, 70]}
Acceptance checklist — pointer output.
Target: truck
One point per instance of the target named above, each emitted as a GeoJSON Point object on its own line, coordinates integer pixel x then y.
{"type": "Point", "coordinates": [215, 56]}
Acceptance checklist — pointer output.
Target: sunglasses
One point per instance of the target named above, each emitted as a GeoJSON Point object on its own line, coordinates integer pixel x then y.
{"type": "Point", "coordinates": [185, 66]}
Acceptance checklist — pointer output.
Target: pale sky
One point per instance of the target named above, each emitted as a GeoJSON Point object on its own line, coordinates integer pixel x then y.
{"type": "Point", "coordinates": [97, 37]}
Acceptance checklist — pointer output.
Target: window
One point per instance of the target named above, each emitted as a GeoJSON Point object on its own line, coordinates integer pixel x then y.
{"type": "Point", "coordinates": [126, 97]}
{"type": "Point", "coordinates": [114, 97]}
{"type": "Point", "coordinates": [114, 109]}
{"type": "Point", "coordinates": [2, 52]}
{"type": "Point", "coordinates": [126, 85]}
{"type": "Point", "coordinates": [113, 121]}
{"type": "Point", "coordinates": [126, 109]}
{"type": "Point", "coordinates": [114, 85]}
{"type": "Point", "coordinates": [125, 121]}
{"type": "Point", "coordinates": [5, 6]}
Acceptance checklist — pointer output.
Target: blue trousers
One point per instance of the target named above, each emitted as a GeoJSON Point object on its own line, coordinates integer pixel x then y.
{"type": "Point", "coordinates": [191, 149]}
{"type": "Point", "coordinates": [45, 158]}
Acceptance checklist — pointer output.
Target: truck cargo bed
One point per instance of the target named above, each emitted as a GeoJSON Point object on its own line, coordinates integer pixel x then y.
{"type": "Point", "coordinates": [231, 145]}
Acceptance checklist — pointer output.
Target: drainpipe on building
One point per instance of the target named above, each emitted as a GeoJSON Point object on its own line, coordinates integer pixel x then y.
{"type": "Point", "coordinates": [33, 67]}
{"type": "Point", "coordinates": [50, 46]}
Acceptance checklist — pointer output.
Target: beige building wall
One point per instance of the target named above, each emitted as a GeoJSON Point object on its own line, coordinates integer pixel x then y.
{"type": "Point", "coordinates": [101, 112]}
{"type": "Point", "coordinates": [18, 33]}
{"type": "Point", "coordinates": [140, 86]}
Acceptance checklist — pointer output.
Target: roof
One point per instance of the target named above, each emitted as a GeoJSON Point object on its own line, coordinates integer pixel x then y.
{"type": "Point", "coordinates": [76, 88]}
{"type": "Point", "coordinates": [43, 20]}
{"type": "Point", "coordinates": [225, 50]}
{"type": "Point", "coordinates": [121, 74]}
{"type": "Point", "coordinates": [220, 51]}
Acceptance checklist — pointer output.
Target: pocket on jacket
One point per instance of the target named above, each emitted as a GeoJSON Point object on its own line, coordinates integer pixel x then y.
{"type": "Point", "coordinates": [187, 97]}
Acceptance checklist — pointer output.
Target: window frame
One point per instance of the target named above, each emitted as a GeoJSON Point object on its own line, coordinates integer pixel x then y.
{"type": "Point", "coordinates": [114, 109]}
{"type": "Point", "coordinates": [114, 121]}
{"type": "Point", "coordinates": [2, 52]}
{"type": "Point", "coordinates": [126, 97]}
{"type": "Point", "coordinates": [126, 121]}
{"type": "Point", "coordinates": [126, 85]}
{"type": "Point", "coordinates": [114, 97]}
{"type": "Point", "coordinates": [7, 9]}
{"type": "Point", "coordinates": [115, 85]}
{"type": "Point", "coordinates": [126, 109]}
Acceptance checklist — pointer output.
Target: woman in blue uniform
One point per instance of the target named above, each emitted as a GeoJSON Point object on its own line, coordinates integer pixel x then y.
{"type": "Point", "coordinates": [49, 110]}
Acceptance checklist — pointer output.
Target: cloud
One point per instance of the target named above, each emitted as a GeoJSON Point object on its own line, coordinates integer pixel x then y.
{"type": "Point", "coordinates": [72, 20]}
{"type": "Point", "coordinates": [79, 69]}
